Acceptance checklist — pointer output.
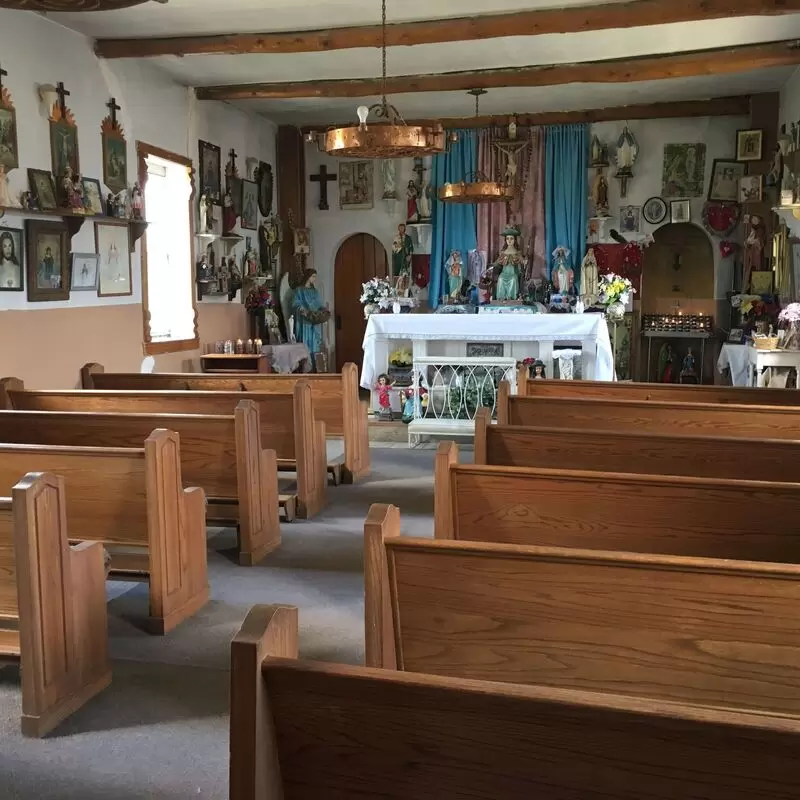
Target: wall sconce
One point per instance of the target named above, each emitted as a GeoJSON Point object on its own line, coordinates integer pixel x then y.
{"type": "Point", "coordinates": [48, 97]}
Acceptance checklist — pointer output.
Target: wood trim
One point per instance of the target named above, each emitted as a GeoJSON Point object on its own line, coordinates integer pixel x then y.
{"type": "Point", "coordinates": [717, 61]}
{"type": "Point", "coordinates": [310, 453]}
{"type": "Point", "coordinates": [443, 519]}
{"type": "Point", "coordinates": [461, 29]}
{"type": "Point", "coordinates": [483, 421]}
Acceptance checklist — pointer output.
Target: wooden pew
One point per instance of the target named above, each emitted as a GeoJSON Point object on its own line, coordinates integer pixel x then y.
{"type": "Point", "coordinates": [52, 605]}
{"type": "Point", "coordinates": [666, 392]}
{"type": "Point", "coordinates": [631, 451]}
{"type": "Point", "coordinates": [288, 424]}
{"type": "Point", "coordinates": [697, 630]}
{"type": "Point", "coordinates": [670, 515]}
{"type": "Point", "coordinates": [307, 730]}
{"type": "Point", "coordinates": [221, 454]}
{"type": "Point", "coordinates": [131, 498]}
{"type": "Point", "coordinates": [653, 416]}
{"type": "Point", "coordinates": [335, 397]}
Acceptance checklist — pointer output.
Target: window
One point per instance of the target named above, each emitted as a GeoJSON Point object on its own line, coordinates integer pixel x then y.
{"type": "Point", "coordinates": [170, 316]}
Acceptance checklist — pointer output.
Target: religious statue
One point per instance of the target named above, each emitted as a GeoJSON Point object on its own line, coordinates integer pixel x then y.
{"type": "Point", "coordinates": [688, 374]}
{"type": "Point", "coordinates": [137, 202]}
{"type": "Point", "coordinates": [507, 267]}
{"type": "Point", "coordinates": [562, 275]}
{"type": "Point", "coordinates": [6, 198]}
{"type": "Point", "coordinates": [539, 373]}
{"type": "Point", "coordinates": [424, 202]}
{"type": "Point", "coordinates": [776, 171]}
{"type": "Point", "coordinates": [402, 250]}
{"type": "Point", "coordinates": [753, 250]}
{"type": "Point", "coordinates": [250, 261]}
{"type": "Point", "coordinates": [589, 279]}
{"type": "Point", "coordinates": [382, 387]}
{"type": "Point", "coordinates": [309, 313]}
{"type": "Point", "coordinates": [228, 214]}
{"type": "Point", "coordinates": [453, 265]}
{"type": "Point", "coordinates": [73, 190]}
{"type": "Point", "coordinates": [412, 210]}
{"type": "Point", "coordinates": [600, 194]}
{"type": "Point", "coordinates": [111, 205]}
{"type": "Point", "coordinates": [407, 397]}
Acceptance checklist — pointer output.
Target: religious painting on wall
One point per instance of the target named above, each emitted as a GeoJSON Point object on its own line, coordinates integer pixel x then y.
{"type": "Point", "coordinates": [115, 151]}
{"type": "Point", "coordinates": [680, 211]}
{"type": "Point", "coordinates": [684, 170]}
{"type": "Point", "coordinates": [92, 195]}
{"type": "Point", "coordinates": [725, 178]}
{"type": "Point", "coordinates": [263, 177]}
{"type": "Point", "coordinates": [302, 245]}
{"type": "Point", "coordinates": [630, 219]}
{"type": "Point", "coordinates": [112, 243]}
{"type": "Point", "coordinates": [356, 190]}
{"type": "Point", "coordinates": [235, 188]}
{"type": "Point", "coordinates": [210, 171]}
{"type": "Point", "coordinates": [43, 189]}
{"type": "Point", "coordinates": [84, 272]}
{"type": "Point", "coordinates": [12, 260]}
{"type": "Point", "coordinates": [63, 137]}
{"type": "Point", "coordinates": [47, 261]}
{"type": "Point", "coordinates": [749, 145]}
{"type": "Point", "coordinates": [249, 205]}
{"type": "Point", "coordinates": [9, 149]}
{"type": "Point", "coordinates": [751, 188]}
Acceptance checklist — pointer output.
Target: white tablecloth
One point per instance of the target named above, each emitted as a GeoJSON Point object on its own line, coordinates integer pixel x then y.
{"type": "Point", "coordinates": [286, 357]}
{"type": "Point", "coordinates": [734, 358]}
{"type": "Point", "coordinates": [590, 329]}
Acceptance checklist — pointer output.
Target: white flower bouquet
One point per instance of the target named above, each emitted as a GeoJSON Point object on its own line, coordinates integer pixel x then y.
{"type": "Point", "coordinates": [614, 289]}
{"type": "Point", "coordinates": [378, 292]}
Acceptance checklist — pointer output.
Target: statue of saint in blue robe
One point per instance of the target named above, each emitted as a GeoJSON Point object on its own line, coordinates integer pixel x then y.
{"type": "Point", "coordinates": [306, 298]}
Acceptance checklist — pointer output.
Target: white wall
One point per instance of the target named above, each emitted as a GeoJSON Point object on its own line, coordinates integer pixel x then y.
{"type": "Point", "coordinates": [154, 110]}
{"type": "Point", "coordinates": [719, 135]}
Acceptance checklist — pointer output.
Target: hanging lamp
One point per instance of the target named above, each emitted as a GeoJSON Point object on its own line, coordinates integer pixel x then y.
{"type": "Point", "coordinates": [389, 137]}
{"type": "Point", "coordinates": [476, 186]}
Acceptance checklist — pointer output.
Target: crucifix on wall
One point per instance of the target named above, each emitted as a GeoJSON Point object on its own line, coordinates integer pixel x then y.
{"type": "Point", "coordinates": [323, 178]}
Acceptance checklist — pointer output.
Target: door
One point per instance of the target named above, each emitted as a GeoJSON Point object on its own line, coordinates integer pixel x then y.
{"type": "Point", "coordinates": [360, 258]}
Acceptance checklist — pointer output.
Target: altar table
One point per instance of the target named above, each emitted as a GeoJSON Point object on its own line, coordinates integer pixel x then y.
{"type": "Point", "coordinates": [523, 335]}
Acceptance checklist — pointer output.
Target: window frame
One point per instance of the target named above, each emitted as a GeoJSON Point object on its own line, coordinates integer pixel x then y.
{"type": "Point", "coordinates": [151, 348]}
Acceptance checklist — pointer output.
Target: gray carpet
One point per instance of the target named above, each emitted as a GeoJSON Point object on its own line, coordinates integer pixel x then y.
{"type": "Point", "coordinates": [161, 729]}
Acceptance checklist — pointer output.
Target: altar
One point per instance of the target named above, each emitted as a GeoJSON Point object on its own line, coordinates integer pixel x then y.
{"type": "Point", "coordinates": [515, 336]}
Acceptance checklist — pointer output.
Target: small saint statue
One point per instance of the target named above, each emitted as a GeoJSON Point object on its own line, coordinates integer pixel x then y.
{"type": "Point", "coordinates": [402, 250]}
{"type": "Point", "coordinates": [600, 194]}
{"type": "Point", "coordinates": [424, 202]}
{"type": "Point", "coordinates": [250, 259]}
{"type": "Point", "coordinates": [688, 373]}
{"type": "Point", "coordinates": [562, 276]}
{"type": "Point", "coordinates": [310, 313]}
{"type": "Point", "coordinates": [228, 214]}
{"type": "Point", "coordinates": [754, 246]}
{"type": "Point", "coordinates": [137, 202]}
{"type": "Point", "coordinates": [73, 190]}
{"type": "Point", "coordinates": [507, 267]}
{"type": "Point", "coordinates": [454, 266]}
{"type": "Point", "coordinates": [412, 209]}
{"type": "Point", "coordinates": [590, 282]}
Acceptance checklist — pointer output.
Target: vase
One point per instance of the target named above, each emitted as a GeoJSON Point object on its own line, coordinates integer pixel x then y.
{"type": "Point", "coordinates": [370, 309]}
{"type": "Point", "coordinates": [615, 312]}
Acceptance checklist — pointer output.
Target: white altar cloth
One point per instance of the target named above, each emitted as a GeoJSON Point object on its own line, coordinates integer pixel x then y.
{"type": "Point", "coordinates": [590, 330]}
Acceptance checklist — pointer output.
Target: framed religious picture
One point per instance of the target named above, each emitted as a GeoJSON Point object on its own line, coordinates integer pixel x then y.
{"type": "Point", "coordinates": [630, 219]}
{"type": "Point", "coordinates": [12, 260]}
{"type": "Point", "coordinates": [47, 261]}
{"type": "Point", "coordinates": [762, 282]}
{"type": "Point", "coordinates": [92, 195]}
{"type": "Point", "coordinates": [115, 151]}
{"type": "Point", "coordinates": [9, 149]}
{"type": "Point", "coordinates": [234, 183]}
{"type": "Point", "coordinates": [736, 336]}
{"type": "Point", "coordinates": [210, 171]}
{"type": "Point", "coordinates": [684, 170]}
{"type": "Point", "coordinates": [751, 188]}
{"type": "Point", "coordinates": [112, 242]}
{"type": "Point", "coordinates": [302, 246]}
{"type": "Point", "coordinates": [64, 142]}
{"type": "Point", "coordinates": [680, 211]}
{"type": "Point", "coordinates": [654, 211]}
{"type": "Point", "coordinates": [749, 145]}
{"type": "Point", "coordinates": [249, 205]}
{"type": "Point", "coordinates": [263, 177]}
{"type": "Point", "coordinates": [84, 272]}
{"type": "Point", "coordinates": [725, 177]}
{"type": "Point", "coordinates": [356, 189]}
{"type": "Point", "coordinates": [43, 189]}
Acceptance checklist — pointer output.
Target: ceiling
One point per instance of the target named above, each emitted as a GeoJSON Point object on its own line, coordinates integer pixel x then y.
{"type": "Point", "coordinates": [192, 17]}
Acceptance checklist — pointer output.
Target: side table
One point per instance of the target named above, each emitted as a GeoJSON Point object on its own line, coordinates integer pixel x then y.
{"type": "Point", "coordinates": [759, 360]}
{"type": "Point", "coordinates": [222, 363]}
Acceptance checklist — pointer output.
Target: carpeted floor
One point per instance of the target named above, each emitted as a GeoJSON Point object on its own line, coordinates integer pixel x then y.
{"type": "Point", "coordinates": [161, 730]}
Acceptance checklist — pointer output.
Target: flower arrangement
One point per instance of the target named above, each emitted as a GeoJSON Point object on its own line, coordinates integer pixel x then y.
{"type": "Point", "coordinates": [790, 314]}
{"type": "Point", "coordinates": [614, 289]}
{"type": "Point", "coordinates": [258, 297]}
{"type": "Point", "coordinates": [377, 291]}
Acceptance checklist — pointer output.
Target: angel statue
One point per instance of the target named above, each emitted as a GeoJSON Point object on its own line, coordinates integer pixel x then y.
{"type": "Point", "coordinates": [508, 267]}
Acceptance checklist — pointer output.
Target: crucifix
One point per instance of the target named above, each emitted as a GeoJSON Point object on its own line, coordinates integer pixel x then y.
{"type": "Point", "coordinates": [322, 178]}
{"type": "Point", "coordinates": [62, 97]}
{"type": "Point", "coordinates": [230, 167]}
{"type": "Point", "coordinates": [113, 108]}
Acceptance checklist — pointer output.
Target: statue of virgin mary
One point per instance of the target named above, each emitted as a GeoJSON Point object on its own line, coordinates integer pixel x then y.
{"type": "Point", "coordinates": [508, 267]}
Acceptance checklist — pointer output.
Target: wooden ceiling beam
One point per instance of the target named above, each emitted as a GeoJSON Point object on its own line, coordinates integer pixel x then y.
{"type": "Point", "coordinates": [623, 70]}
{"type": "Point", "coordinates": [630, 14]}
{"type": "Point", "coordinates": [738, 106]}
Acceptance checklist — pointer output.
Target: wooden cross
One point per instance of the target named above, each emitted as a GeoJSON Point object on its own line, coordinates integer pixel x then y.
{"type": "Point", "coordinates": [62, 97]}
{"type": "Point", "coordinates": [230, 167]}
{"type": "Point", "coordinates": [322, 178]}
{"type": "Point", "coordinates": [3, 73]}
{"type": "Point", "coordinates": [113, 108]}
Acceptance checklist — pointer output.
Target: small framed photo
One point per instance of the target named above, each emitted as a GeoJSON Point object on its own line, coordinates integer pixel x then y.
{"type": "Point", "coordinates": [736, 336]}
{"type": "Point", "coordinates": [12, 260]}
{"type": "Point", "coordinates": [749, 145]}
{"type": "Point", "coordinates": [751, 189]}
{"type": "Point", "coordinates": [112, 242]}
{"type": "Point", "coordinates": [210, 171]}
{"type": "Point", "coordinates": [302, 245]}
{"type": "Point", "coordinates": [630, 219]}
{"type": "Point", "coordinates": [84, 272]}
{"type": "Point", "coordinates": [680, 211]}
{"type": "Point", "coordinates": [762, 282]}
{"type": "Point", "coordinates": [249, 205]}
{"type": "Point", "coordinates": [43, 189]}
{"type": "Point", "coordinates": [93, 195]}
{"type": "Point", "coordinates": [48, 260]}
{"type": "Point", "coordinates": [725, 178]}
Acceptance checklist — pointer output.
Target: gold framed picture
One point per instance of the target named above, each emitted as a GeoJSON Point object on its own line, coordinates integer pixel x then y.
{"type": "Point", "coordinates": [762, 282]}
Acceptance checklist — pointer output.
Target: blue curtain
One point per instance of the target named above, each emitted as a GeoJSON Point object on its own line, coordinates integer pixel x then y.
{"type": "Point", "coordinates": [454, 225]}
{"type": "Point", "coordinates": [566, 191]}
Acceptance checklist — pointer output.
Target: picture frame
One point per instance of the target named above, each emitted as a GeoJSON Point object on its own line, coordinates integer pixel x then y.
{"type": "Point", "coordinates": [736, 336]}
{"type": "Point", "coordinates": [751, 188]}
{"type": "Point", "coordinates": [115, 161]}
{"type": "Point", "coordinates": [750, 144]}
{"type": "Point", "coordinates": [680, 211]}
{"type": "Point", "coordinates": [47, 256]}
{"type": "Point", "coordinates": [725, 177]}
{"type": "Point", "coordinates": [210, 174]}
{"type": "Point", "coordinates": [762, 282]}
{"type": "Point", "coordinates": [43, 189]}
{"type": "Point", "coordinates": [112, 243]}
{"type": "Point", "coordinates": [84, 273]}
{"type": "Point", "coordinates": [249, 216]}
{"type": "Point", "coordinates": [9, 146]}
{"type": "Point", "coordinates": [235, 186]}
{"type": "Point", "coordinates": [302, 244]}
{"type": "Point", "coordinates": [684, 169]}
{"type": "Point", "coordinates": [64, 147]}
{"type": "Point", "coordinates": [264, 179]}
{"type": "Point", "coordinates": [655, 210]}
{"type": "Point", "coordinates": [12, 259]}
{"type": "Point", "coordinates": [356, 185]}
{"type": "Point", "coordinates": [93, 195]}
{"type": "Point", "coordinates": [630, 219]}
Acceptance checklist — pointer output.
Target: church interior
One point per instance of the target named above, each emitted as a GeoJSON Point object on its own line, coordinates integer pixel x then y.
{"type": "Point", "coordinates": [389, 397]}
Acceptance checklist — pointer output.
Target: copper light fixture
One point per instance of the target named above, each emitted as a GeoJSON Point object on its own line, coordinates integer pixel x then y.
{"type": "Point", "coordinates": [476, 187]}
{"type": "Point", "coordinates": [389, 137]}
{"type": "Point", "coordinates": [72, 5]}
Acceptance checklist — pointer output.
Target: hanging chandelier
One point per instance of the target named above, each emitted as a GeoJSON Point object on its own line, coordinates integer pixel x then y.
{"type": "Point", "coordinates": [389, 136]}
{"type": "Point", "coordinates": [476, 186]}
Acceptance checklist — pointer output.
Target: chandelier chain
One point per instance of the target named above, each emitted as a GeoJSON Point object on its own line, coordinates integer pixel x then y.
{"type": "Point", "coordinates": [383, 51]}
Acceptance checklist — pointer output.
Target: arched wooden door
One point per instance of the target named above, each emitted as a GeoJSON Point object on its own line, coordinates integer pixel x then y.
{"type": "Point", "coordinates": [360, 258]}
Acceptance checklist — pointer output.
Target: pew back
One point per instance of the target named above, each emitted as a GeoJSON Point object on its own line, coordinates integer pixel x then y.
{"type": "Point", "coordinates": [674, 515]}
{"type": "Point", "coordinates": [704, 631]}
{"type": "Point", "coordinates": [305, 730]}
{"type": "Point", "coordinates": [631, 451]}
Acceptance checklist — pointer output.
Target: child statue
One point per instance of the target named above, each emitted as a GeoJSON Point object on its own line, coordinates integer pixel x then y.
{"type": "Point", "coordinates": [507, 267]}
{"type": "Point", "coordinates": [382, 387]}
{"type": "Point", "coordinates": [309, 313]}
{"type": "Point", "coordinates": [454, 268]}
